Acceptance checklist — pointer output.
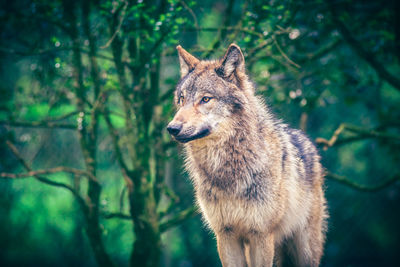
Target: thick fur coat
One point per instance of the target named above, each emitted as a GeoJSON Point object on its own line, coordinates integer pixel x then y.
{"type": "Point", "coordinates": [258, 182]}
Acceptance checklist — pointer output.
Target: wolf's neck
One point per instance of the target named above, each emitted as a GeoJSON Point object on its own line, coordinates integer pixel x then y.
{"type": "Point", "coordinates": [242, 149]}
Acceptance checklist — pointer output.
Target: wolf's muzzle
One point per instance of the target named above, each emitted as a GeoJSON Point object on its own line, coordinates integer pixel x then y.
{"type": "Point", "coordinates": [184, 138]}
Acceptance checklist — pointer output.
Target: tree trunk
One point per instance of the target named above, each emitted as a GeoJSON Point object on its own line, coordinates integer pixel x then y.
{"type": "Point", "coordinates": [147, 247]}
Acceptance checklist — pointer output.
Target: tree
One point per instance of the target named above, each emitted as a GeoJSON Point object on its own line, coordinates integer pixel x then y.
{"type": "Point", "coordinates": [137, 32]}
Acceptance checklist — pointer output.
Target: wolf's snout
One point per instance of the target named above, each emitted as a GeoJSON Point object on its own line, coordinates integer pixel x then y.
{"type": "Point", "coordinates": [174, 129]}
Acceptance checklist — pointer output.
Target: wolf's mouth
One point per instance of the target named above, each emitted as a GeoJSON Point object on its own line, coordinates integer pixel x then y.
{"type": "Point", "coordinates": [201, 134]}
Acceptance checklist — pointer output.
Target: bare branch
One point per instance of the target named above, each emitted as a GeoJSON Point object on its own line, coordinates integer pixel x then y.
{"type": "Point", "coordinates": [196, 23]}
{"type": "Point", "coordinates": [240, 20]}
{"type": "Point", "coordinates": [44, 180]}
{"type": "Point", "coordinates": [37, 52]}
{"type": "Point", "coordinates": [40, 52]}
{"type": "Point", "coordinates": [363, 53]}
{"type": "Point", "coordinates": [267, 41]}
{"type": "Point", "coordinates": [360, 187]}
{"type": "Point", "coordinates": [221, 32]}
{"type": "Point", "coordinates": [116, 215]}
{"type": "Point", "coordinates": [332, 140]}
{"type": "Point", "coordinates": [115, 138]}
{"type": "Point", "coordinates": [320, 53]}
{"type": "Point", "coordinates": [170, 193]}
{"type": "Point", "coordinates": [40, 124]}
{"type": "Point", "coordinates": [227, 28]}
{"type": "Point", "coordinates": [48, 171]}
{"type": "Point", "coordinates": [178, 219]}
{"type": "Point", "coordinates": [284, 54]}
{"type": "Point", "coordinates": [121, 199]}
{"type": "Point", "coordinates": [365, 133]}
{"type": "Point", "coordinates": [63, 117]}
{"type": "Point", "coordinates": [173, 199]}
{"type": "Point", "coordinates": [121, 20]}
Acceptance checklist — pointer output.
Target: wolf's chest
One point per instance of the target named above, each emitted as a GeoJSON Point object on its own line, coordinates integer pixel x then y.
{"type": "Point", "coordinates": [236, 185]}
{"type": "Point", "coordinates": [230, 211]}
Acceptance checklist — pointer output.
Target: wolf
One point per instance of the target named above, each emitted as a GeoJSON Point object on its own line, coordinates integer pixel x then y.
{"type": "Point", "coordinates": [258, 182]}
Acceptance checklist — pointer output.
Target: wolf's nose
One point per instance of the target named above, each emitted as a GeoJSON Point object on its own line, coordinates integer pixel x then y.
{"type": "Point", "coordinates": [174, 129]}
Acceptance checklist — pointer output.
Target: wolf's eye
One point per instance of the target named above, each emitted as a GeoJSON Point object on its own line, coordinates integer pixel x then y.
{"type": "Point", "coordinates": [181, 98]}
{"type": "Point", "coordinates": [205, 99]}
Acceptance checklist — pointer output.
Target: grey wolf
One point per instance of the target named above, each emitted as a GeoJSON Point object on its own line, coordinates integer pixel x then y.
{"type": "Point", "coordinates": [258, 183]}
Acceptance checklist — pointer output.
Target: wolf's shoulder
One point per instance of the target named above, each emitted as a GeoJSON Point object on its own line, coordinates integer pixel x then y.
{"type": "Point", "coordinates": [298, 148]}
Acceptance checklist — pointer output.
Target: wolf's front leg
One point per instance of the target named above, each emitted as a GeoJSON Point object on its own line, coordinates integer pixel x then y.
{"type": "Point", "coordinates": [261, 250]}
{"type": "Point", "coordinates": [231, 250]}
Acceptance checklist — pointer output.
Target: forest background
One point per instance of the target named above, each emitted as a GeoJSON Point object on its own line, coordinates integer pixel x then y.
{"type": "Point", "coordinates": [90, 177]}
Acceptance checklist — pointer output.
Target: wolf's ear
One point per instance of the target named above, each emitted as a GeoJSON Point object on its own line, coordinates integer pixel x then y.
{"type": "Point", "coordinates": [186, 60]}
{"type": "Point", "coordinates": [232, 61]}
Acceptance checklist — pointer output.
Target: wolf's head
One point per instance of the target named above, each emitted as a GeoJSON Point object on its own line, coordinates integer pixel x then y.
{"type": "Point", "coordinates": [208, 95]}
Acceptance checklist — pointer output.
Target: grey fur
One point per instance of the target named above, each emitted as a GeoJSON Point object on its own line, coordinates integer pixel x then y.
{"type": "Point", "coordinates": [258, 182]}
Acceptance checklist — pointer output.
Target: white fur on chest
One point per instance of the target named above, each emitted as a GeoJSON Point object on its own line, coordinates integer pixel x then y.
{"type": "Point", "coordinates": [235, 213]}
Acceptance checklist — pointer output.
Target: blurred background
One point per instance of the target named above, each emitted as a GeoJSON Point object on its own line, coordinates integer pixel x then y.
{"type": "Point", "coordinates": [90, 177]}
